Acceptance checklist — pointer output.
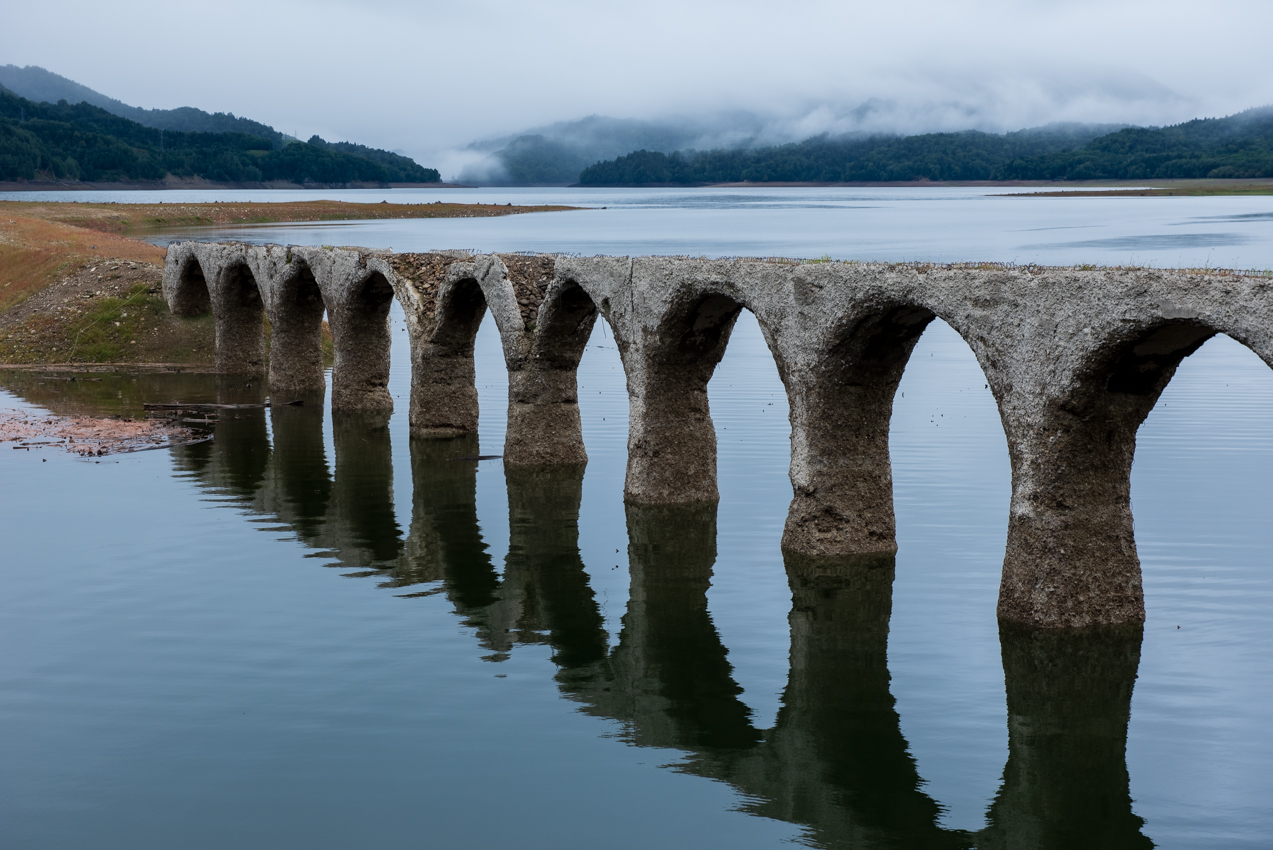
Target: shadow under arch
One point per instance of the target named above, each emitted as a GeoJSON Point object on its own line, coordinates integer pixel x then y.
{"type": "Point", "coordinates": [296, 336]}
{"type": "Point", "coordinates": [1076, 476]}
{"type": "Point", "coordinates": [362, 340]}
{"type": "Point", "coordinates": [672, 440]}
{"type": "Point", "coordinates": [841, 470]}
{"type": "Point", "coordinates": [444, 400]}
{"type": "Point", "coordinates": [191, 296]}
{"type": "Point", "coordinates": [239, 310]}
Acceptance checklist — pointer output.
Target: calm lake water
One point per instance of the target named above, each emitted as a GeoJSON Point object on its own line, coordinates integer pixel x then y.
{"type": "Point", "coordinates": [316, 632]}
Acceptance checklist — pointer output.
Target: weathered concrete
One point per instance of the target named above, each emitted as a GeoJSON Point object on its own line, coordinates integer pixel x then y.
{"type": "Point", "coordinates": [1075, 359]}
{"type": "Point", "coordinates": [544, 325]}
{"type": "Point", "coordinates": [292, 287]}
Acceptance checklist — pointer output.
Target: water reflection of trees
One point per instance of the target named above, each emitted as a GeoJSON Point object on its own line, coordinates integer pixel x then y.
{"type": "Point", "coordinates": [835, 762]}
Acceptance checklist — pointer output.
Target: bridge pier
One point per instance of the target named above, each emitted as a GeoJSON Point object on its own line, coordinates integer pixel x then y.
{"type": "Point", "coordinates": [296, 329]}
{"type": "Point", "coordinates": [841, 409]}
{"type": "Point", "coordinates": [444, 306]}
{"type": "Point", "coordinates": [543, 344]}
{"type": "Point", "coordinates": [360, 295]}
{"type": "Point", "coordinates": [671, 436]}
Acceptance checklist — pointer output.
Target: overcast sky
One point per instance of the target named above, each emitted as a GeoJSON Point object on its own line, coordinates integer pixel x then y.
{"type": "Point", "coordinates": [426, 76]}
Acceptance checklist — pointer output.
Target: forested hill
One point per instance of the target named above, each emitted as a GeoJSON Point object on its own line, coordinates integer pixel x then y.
{"type": "Point", "coordinates": [1238, 146]}
{"type": "Point", "coordinates": [41, 86]}
{"type": "Point", "coordinates": [84, 142]}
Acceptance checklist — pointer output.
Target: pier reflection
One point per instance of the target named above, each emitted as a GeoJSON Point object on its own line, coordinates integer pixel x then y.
{"type": "Point", "coordinates": [835, 763]}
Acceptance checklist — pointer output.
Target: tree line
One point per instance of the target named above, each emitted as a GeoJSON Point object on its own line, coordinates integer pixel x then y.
{"type": "Point", "coordinates": [1238, 146]}
{"type": "Point", "coordinates": [65, 141]}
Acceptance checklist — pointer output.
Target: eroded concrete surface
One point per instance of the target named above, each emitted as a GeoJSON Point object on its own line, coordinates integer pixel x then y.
{"type": "Point", "coordinates": [1075, 359]}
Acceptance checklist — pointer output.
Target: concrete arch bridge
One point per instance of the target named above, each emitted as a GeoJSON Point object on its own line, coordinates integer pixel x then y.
{"type": "Point", "coordinates": [1076, 359]}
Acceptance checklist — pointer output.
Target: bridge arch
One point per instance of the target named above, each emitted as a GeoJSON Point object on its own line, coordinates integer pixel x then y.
{"type": "Point", "coordinates": [296, 333]}
{"type": "Point", "coordinates": [239, 309]}
{"type": "Point", "coordinates": [359, 319]}
{"type": "Point", "coordinates": [189, 295]}
{"type": "Point", "coordinates": [1071, 557]}
{"type": "Point", "coordinates": [671, 436]}
{"type": "Point", "coordinates": [444, 399]}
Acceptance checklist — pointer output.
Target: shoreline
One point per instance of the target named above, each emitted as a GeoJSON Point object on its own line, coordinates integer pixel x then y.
{"type": "Point", "coordinates": [162, 185]}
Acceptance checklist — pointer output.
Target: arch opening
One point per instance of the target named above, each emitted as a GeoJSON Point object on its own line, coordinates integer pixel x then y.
{"type": "Point", "coordinates": [1199, 492]}
{"type": "Point", "coordinates": [544, 424]}
{"type": "Point", "coordinates": [841, 408]}
{"type": "Point", "coordinates": [192, 297]}
{"type": "Point", "coordinates": [240, 320]}
{"type": "Point", "coordinates": [296, 333]}
{"type": "Point", "coordinates": [672, 440]}
{"type": "Point", "coordinates": [444, 395]}
{"type": "Point", "coordinates": [951, 495]}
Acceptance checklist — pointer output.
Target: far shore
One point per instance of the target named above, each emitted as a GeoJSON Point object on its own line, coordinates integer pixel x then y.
{"type": "Point", "coordinates": [1050, 188]}
{"type": "Point", "coordinates": [160, 185]}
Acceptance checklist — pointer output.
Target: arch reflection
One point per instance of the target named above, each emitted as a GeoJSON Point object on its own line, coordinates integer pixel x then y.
{"type": "Point", "coordinates": [835, 763]}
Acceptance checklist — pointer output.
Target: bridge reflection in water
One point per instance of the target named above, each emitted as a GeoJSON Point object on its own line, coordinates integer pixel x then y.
{"type": "Point", "coordinates": [835, 762]}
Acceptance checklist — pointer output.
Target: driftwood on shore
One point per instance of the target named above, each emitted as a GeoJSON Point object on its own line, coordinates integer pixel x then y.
{"type": "Point", "coordinates": [176, 406]}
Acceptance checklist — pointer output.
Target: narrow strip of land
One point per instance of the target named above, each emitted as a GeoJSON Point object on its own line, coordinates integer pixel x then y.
{"type": "Point", "coordinates": [124, 218]}
{"type": "Point", "coordinates": [1184, 189]}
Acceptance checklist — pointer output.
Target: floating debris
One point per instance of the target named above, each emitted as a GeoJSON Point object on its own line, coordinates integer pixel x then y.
{"type": "Point", "coordinates": [91, 437]}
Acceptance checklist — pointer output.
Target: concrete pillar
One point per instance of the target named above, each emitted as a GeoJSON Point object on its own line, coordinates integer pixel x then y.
{"type": "Point", "coordinates": [841, 472]}
{"type": "Point", "coordinates": [239, 312]}
{"type": "Point", "coordinates": [1071, 559]}
{"type": "Point", "coordinates": [671, 437]}
{"type": "Point", "coordinates": [359, 323]}
{"type": "Point", "coordinates": [296, 332]}
{"type": "Point", "coordinates": [543, 389]}
{"type": "Point", "coordinates": [444, 306]}
{"type": "Point", "coordinates": [1069, 701]}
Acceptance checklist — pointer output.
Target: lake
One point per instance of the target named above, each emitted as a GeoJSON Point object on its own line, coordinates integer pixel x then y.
{"type": "Point", "coordinates": [314, 631]}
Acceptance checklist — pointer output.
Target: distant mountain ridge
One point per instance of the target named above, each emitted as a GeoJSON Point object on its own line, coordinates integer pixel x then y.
{"type": "Point", "coordinates": [971, 155]}
{"type": "Point", "coordinates": [555, 154]}
{"type": "Point", "coordinates": [39, 85]}
{"type": "Point", "coordinates": [81, 142]}
{"type": "Point", "coordinates": [1239, 146]}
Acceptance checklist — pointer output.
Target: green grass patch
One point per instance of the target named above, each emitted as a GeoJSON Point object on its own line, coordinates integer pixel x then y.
{"type": "Point", "coordinates": [105, 332]}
